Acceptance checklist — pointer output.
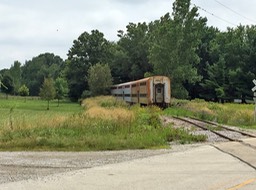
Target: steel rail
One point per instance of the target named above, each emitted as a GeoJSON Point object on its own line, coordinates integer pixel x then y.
{"type": "Point", "coordinates": [205, 128]}
{"type": "Point", "coordinates": [227, 128]}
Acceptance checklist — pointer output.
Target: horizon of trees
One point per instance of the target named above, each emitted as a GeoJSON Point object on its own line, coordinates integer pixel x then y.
{"type": "Point", "coordinates": [201, 61]}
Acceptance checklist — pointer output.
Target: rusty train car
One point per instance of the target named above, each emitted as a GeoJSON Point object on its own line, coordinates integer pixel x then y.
{"type": "Point", "coordinates": [155, 90]}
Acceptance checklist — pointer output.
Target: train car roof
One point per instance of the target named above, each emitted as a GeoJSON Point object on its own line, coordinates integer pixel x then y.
{"type": "Point", "coordinates": [140, 80]}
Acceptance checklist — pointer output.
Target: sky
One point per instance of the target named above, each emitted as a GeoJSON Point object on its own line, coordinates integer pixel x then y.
{"type": "Point", "coordinates": [29, 28]}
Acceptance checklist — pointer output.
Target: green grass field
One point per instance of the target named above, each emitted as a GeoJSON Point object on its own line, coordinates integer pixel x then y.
{"type": "Point", "coordinates": [33, 112]}
{"type": "Point", "coordinates": [101, 123]}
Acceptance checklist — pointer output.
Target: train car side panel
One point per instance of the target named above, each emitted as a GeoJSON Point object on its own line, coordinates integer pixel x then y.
{"type": "Point", "coordinates": [134, 92]}
{"type": "Point", "coordinates": [127, 93]}
{"type": "Point", "coordinates": [147, 91]}
{"type": "Point", "coordinates": [143, 91]}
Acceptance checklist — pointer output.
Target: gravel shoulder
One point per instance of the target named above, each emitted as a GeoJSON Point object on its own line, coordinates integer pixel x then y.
{"type": "Point", "coordinates": [16, 166]}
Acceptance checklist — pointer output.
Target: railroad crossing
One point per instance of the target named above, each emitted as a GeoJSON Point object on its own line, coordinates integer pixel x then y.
{"type": "Point", "coordinates": [254, 88]}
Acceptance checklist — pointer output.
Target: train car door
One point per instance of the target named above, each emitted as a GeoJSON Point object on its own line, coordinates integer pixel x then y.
{"type": "Point", "coordinates": [159, 93]}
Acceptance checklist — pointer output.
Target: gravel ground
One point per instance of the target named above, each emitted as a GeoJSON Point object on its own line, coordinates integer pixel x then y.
{"type": "Point", "coordinates": [16, 166]}
{"type": "Point", "coordinates": [211, 137]}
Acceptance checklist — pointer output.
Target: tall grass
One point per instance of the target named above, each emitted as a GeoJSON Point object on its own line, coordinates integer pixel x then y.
{"type": "Point", "coordinates": [228, 113]}
{"type": "Point", "coordinates": [101, 123]}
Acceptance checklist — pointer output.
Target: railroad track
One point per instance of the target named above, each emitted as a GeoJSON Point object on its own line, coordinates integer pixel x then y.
{"type": "Point", "coordinates": [241, 148]}
{"type": "Point", "coordinates": [220, 130]}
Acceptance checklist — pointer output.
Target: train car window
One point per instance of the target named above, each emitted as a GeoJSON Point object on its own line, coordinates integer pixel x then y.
{"type": "Point", "coordinates": [134, 85]}
{"type": "Point", "coordinates": [127, 86]}
{"type": "Point", "coordinates": [134, 95]}
{"type": "Point", "coordinates": [127, 95]}
{"type": "Point", "coordinates": [143, 84]}
{"type": "Point", "coordinates": [143, 95]}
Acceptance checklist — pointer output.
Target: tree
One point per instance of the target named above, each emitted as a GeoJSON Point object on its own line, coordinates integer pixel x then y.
{"type": "Point", "coordinates": [203, 51]}
{"type": "Point", "coordinates": [7, 85]}
{"type": "Point", "coordinates": [47, 91]}
{"type": "Point", "coordinates": [174, 44]}
{"type": "Point", "coordinates": [61, 87]}
{"type": "Point", "coordinates": [40, 67]}
{"type": "Point", "coordinates": [132, 61]}
{"type": "Point", "coordinates": [2, 84]}
{"type": "Point", "coordinates": [99, 79]}
{"type": "Point", "coordinates": [15, 73]}
{"type": "Point", "coordinates": [86, 51]}
{"type": "Point", "coordinates": [232, 58]}
{"type": "Point", "coordinates": [23, 91]}
{"type": "Point", "coordinates": [215, 84]}
{"type": "Point", "coordinates": [120, 64]}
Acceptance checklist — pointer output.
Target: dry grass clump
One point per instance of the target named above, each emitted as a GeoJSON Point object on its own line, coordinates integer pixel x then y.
{"type": "Point", "coordinates": [25, 122]}
{"type": "Point", "coordinates": [240, 117]}
{"type": "Point", "coordinates": [115, 114]}
{"type": "Point", "coordinates": [103, 101]}
{"type": "Point", "coordinates": [200, 109]}
{"type": "Point", "coordinates": [107, 108]}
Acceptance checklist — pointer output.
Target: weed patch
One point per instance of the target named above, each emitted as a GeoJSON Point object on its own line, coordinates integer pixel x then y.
{"type": "Point", "coordinates": [232, 114]}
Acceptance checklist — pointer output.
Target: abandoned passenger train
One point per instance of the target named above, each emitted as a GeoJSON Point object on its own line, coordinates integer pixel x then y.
{"type": "Point", "coordinates": [155, 90]}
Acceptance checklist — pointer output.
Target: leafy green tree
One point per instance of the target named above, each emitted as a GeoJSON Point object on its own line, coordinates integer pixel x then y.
{"type": "Point", "coordinates": [23, 91]}
{"type": "Point", "coordinates": [131, 59]}
{"type": "Point", "coordinates": [47, 91]}
{"type": "Point", "coordinates": [40, 67]}
{"type": "Point", "coordinates": [204, 52]}
{"type": "Point", "coordinates": [61, 87]}
{"type": "Point", "coordinates": [174, 43]}
{"type": "Point", "coordinates": [7, 85]}
{"type": "Point", "coordinates": [215, 84]}
{"type": "Point", "coordinates": [15, 73]}
{"type": "Point", "coordinates": [120, 65]}
{"type": "Point", "coordinates": [86, 51]}
{"type": "Point", "coordinates": [232, 55]}
{"type": "Point", "coordinates": [99, 79]}
{"type": "Point", "coordinates": [1, 83]}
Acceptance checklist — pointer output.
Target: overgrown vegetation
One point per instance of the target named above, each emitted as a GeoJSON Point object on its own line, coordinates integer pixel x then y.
{"type": "Point", "coordinates": [229, 113]}
{"type": "Point", "coordinates": [102, 124]}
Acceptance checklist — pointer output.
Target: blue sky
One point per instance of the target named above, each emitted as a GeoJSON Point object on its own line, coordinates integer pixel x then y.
{"type": "Point", "coordinates": [29, 27]}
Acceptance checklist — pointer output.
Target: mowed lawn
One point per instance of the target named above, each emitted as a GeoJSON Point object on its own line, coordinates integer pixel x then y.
{"type": "Point", "coordinates": [15, 111]}
{"type": "Point", "coordinates": [27, 125]}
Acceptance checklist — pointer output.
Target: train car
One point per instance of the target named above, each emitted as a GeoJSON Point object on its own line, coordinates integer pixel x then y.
{"type": "Point", "coordinates": [155, 90]}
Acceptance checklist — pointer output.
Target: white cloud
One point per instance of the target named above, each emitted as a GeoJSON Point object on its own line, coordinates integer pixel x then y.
{"type": "Point", "coordinates": [29, 28]}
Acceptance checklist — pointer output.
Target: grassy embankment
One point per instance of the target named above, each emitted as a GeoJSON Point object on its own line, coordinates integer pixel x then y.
{"type": "Point", "coordinates": [102, 124]}
{"type": "Point", "coordinates": [241, 115]}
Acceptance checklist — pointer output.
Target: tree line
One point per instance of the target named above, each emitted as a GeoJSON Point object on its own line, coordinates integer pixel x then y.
{"type": "Point", "coordinates": [201, 61]}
